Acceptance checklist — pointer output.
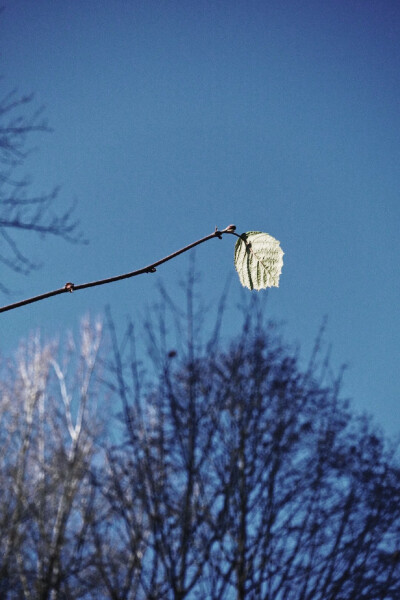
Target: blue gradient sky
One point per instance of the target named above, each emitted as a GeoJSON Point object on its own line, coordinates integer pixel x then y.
{"type": "Point", "coordinates": [173, 117]}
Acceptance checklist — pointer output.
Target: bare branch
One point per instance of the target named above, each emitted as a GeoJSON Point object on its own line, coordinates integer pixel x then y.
{"type": "Point", "coordinates": [20, 213]}
{"type": "Point", "coordinates": [71, 287]}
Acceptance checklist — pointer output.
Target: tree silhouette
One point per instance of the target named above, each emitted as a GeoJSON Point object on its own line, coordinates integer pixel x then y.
{"type": "Point", "coordinates": [225, 470]}
{"type": "Point", "coordinates": [256, 480]}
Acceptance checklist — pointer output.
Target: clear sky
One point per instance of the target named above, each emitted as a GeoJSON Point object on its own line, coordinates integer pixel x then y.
{"type": "Point", "coordinates": [173, 117]}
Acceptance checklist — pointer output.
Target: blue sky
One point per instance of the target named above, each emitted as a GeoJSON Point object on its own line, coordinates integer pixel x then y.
{"type": "Point", "coordinates": [173, 117]}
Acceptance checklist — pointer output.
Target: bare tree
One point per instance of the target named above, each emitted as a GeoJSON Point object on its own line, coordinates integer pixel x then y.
{"type": "Point", "coordinates": [252, 476]}
{"type": "Point", "coordinates": [21, 212]}
{"type": "Point", "coordinates": [48, 445]}
{"type": "Point", "coordinates": [311, 494]}
{"type": "Point", "coordinates": [222, 468]}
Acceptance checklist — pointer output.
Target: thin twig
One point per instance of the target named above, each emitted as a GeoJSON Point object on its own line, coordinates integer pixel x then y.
{"type": "Point", "coordinates": [71, 287]}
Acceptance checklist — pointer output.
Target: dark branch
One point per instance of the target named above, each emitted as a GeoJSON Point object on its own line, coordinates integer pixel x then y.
{"type": "Point", "coordinates": [71, 287]}
{"type": "Point", "coordinates": [19, 211]}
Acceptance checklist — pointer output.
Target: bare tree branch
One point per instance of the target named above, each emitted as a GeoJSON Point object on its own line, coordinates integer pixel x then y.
{"type": "Point", "coordinates": [72, 287]}
{"type": "Point", "coordinates": [235, 473]}
{"type": "Point", "coordinates": [21, 213]}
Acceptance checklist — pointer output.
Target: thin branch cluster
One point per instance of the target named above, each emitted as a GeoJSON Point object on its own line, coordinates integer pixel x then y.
{"type": "Point", "coordinates": [226, 472]}
{"type": "Point", "coordinates": [20, 212]}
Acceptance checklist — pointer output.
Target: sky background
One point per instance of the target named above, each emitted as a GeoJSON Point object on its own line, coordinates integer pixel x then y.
{"type": "Point", "coordinates": [173, 117]}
